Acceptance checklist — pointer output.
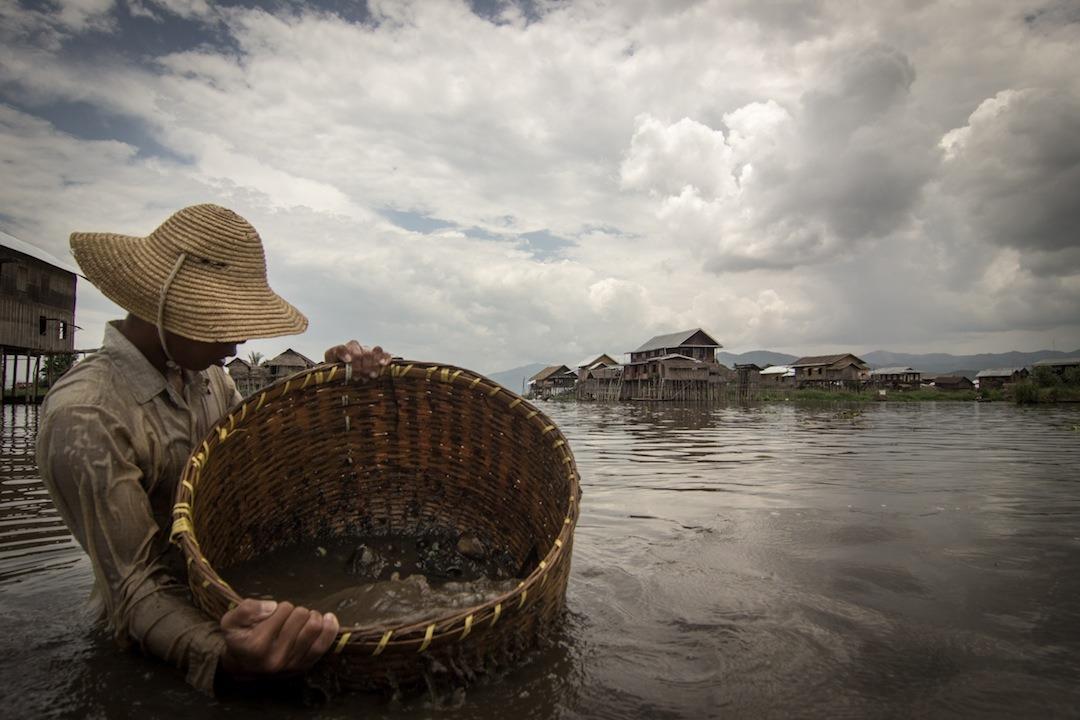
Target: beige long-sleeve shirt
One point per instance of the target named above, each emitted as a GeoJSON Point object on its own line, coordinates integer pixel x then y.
{"type": "Point", "coordinates": [112, 440]}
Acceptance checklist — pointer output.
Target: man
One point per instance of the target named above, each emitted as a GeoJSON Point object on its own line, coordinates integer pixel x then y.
{"type": "Point", "coordinates": [116, 431]}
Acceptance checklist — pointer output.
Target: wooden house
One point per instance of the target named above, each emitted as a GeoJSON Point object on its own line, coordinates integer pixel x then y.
{"type": "Point", "coordinates": [675, 366]}
{"type": "Point", "coordinates": [248, 378]}
{"type": "Point", "coordinates": [602, 360]}
{"type": "Point", "coordinates": [843, 370]}
{"type": "Point", "coordinates": [1058, 366]}
{"type": "Point", "coordinates": [777, 376]}
{"type": "Point", "coordinates": [598, 378]}
{"type": "Point", "coordinates": [949, 383]}
{"type": "Point", "coordinates": [287, 363]}
{"type": "Point", "coordinates": [997, 378]}
{"type": "Point", "coordinates": [37, 311]}
{"type": "Point", "coordinates": [747, 380]}
{"type": "Point", "coordinates": [896, 378]}
{"type": "Point", "coordinates": [551, 381]}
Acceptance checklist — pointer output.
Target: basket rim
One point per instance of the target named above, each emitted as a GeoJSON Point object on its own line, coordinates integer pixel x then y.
{"type": "Point", "coordinates": [378, 638]}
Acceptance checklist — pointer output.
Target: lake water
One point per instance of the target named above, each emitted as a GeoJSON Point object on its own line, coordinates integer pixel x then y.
{"type": "Point", "coordinates": [893, 560]}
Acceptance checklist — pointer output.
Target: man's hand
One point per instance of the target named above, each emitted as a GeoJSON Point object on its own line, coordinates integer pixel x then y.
{"type": "Point", "coordinates": [265, 637]}
{"type": "Point", "coordinates": [366, 362]}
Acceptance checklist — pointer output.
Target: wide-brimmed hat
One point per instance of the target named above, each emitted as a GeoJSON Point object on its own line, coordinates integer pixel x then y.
{"type": "Point", "coordinates": [201, 275]}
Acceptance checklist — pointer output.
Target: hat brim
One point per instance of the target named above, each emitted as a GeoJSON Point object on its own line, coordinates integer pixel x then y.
{"type": "Point", "coordinates": [203, 303]}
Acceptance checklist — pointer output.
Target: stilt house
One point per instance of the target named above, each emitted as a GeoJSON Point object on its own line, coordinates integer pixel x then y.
{"type": "Point", "coordinates": [37, 313]}
{"type": "Point", "coordinates": [844, 370]}
{"type": "Point", "coordinates": [679, 365]}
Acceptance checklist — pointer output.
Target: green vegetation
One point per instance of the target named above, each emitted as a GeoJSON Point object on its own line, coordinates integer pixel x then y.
{"type": "Point", "coordinates": [55, 366]}
{"type": "Point", "coordinates": [1046, 386]}
{"type": "Point", "coordinates": [815, 395]}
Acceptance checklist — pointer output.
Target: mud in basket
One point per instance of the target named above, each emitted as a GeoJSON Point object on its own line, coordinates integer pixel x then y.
{"type": "Point", "coordinates": [322, 454]}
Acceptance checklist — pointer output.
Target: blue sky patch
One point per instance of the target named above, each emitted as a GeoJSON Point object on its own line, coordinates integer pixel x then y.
{"type": "Point", "coordinates": [415, 222]}
{"type": "Point", "coordinates": [88, 122]}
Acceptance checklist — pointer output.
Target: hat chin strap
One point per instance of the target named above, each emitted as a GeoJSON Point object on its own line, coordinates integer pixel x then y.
{"type": "Point", "coordinates": [169, 362]}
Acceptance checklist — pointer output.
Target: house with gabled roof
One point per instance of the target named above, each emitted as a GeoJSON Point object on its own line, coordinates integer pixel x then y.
{"type": "Point", "coordinates": [37, 314]}
{"type": "Point", "coordinates": [287, 363]}
{"type": "Point", "coordinates": [777, 376]}
{"type": "Point", "coordinates": [949, 383]}
{"type": "Point", "coordinates": [247, 377]}
{"type": "Point", "coordinates": [1059, 366]}
{"type": "Point", "coordinates": [896, 378]}
{"type": "Point", "coordinates": [679, 365]}
{"type": "Point", "coordinates": [997, 378]}
{"type": "Point", "coordinates": [551, 381]}
{"type": "Point", "coordinates": [598, 378]}
{"type": "Point", "coordinates": [841, 370]}
{"type": "Point", "coordinates": [592, 363]}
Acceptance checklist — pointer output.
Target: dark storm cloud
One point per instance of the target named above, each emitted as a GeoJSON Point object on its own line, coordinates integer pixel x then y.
{"type": "Point", "coordinates": [1014, 172]}
{"type": "Point", "coordinates": [857, 90]}
{"type": "Point", "coordinates": [853, 169]}
{"type": "Point", "coordinates": [866, 160]}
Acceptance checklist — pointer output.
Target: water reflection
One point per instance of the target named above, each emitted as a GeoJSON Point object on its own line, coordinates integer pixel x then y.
{"type": "Point", "coordinates": [886, 560]}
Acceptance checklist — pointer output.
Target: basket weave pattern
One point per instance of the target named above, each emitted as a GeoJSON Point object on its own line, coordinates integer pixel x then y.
{"type": "Point", "coordinates": [321, 454]}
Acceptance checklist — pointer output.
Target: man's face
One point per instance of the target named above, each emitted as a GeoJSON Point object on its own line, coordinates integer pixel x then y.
{"type": "Point", "coordinates": [197, 355]}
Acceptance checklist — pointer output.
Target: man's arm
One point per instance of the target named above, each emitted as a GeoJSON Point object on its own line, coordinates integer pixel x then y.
{"type": "Point", "coordinates": [88, 464]}
{"type": "Point", "coordinates": [86, 459]}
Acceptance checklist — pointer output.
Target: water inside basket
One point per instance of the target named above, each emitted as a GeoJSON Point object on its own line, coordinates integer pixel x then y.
{"type": "Point", "coordinates": [386, 580]}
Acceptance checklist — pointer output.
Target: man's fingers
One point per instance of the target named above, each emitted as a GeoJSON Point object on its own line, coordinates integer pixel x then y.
{"type": "Point", "coordinates": [286, 635]}
{"type": "Point", "coordinates": [264, 634]}
{"type": "Point", "coordinates": [290, 639]}
{"type": "Point", "coordinates": [325, 638]}
{"type": "Point", "coordinates": [301, 644]}
{"type": "Point", "coordinates": [248, 613]}
{"type": "Point", "coordinates": [364, 361]}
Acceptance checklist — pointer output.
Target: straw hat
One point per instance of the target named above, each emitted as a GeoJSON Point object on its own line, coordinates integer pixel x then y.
{"type": "Point", "coordinates": [201, 275]}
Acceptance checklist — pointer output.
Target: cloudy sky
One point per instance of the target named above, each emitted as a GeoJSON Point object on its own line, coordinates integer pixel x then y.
{"type": "Point", "coordinates": [498, 183]}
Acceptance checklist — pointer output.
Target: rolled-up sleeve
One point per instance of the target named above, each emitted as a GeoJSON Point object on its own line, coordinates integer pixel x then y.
{"type": "Point", "coordinates": [86, 459]}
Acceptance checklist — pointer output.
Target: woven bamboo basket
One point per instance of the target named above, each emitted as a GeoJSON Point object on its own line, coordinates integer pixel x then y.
{"type": "Point", "coordinates": [322, 454]}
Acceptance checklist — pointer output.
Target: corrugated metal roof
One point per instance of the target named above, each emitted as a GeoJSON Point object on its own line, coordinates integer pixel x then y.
{"type": "Point", "coordinates": [997, 372]}
{"type": "Point", "coordinates": [894, 371]}
{"type": "Point", "coordinates": [549, 371]}
{"type": "Point", "coordinates": [672, 340]}
{"type": "Point", "coordinates": [778, 370]}
{"type": "Point", "coordinates": [947, 379]}
{"type": "Point", "coordinates": [35, 252]}
{"type": "Point", "coordinates": [291, 358]}
{"type": "Point", "coordinates": [593, 360]}
{"type": "Point", "coordinates": [813, 360]}
{"type": "Point", "coordinates": [1057, 362]}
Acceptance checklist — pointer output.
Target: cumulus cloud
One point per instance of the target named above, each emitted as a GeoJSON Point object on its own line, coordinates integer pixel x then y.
{"type": "Point", "coordinates": [1014, 170]}
{"type": "Point", "coordinates": [787, 187]}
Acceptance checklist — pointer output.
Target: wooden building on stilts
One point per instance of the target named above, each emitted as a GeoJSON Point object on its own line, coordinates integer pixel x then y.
{"type": "Point", "coordinates": [598, 378]}
{"type": "Point", "coordinates": [677, 366]}
{"type": "Point", "coordinates": [37, 319]}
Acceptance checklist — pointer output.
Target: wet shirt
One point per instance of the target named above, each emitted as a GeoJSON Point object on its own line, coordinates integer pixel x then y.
{"type": "Point", "coordinates": [112, 441]}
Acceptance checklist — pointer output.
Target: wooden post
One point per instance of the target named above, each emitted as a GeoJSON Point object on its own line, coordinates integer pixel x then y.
{"type": "Point", "coordinates": [3, 376]}
{"type": "Point", "coordinates": [37, 374]}
{"type": "Point", "coordinates": [26, 386]}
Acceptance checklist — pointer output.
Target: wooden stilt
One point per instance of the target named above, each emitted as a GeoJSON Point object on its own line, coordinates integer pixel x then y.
{"type": "Point", "coordinates": [37, 375]}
